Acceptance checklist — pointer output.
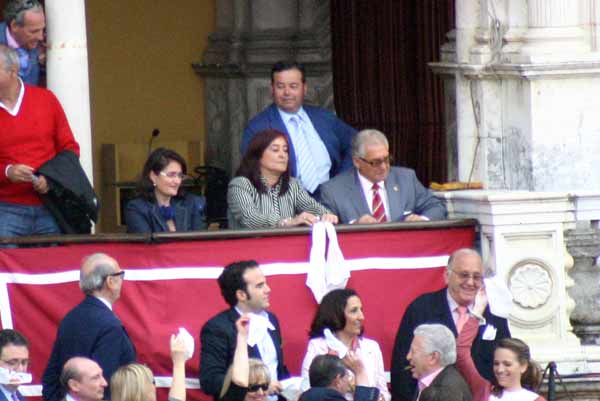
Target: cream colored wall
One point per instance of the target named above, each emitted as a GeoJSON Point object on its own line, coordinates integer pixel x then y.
{"type": "Point", "coordinates": [140, 55]}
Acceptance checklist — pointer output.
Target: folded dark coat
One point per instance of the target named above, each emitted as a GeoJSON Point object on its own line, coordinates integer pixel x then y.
{"type": "Point", "coordinates": [71, 198]}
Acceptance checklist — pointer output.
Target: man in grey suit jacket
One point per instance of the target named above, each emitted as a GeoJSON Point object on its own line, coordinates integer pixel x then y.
{"type": "Point", "coordinates": [374, 192]}
{"type": "Point", "coordinates": [14, 356]}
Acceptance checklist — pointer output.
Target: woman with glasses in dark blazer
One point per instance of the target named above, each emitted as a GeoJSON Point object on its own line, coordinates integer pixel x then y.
{"type": "Point", "coordinates": [162, 205]}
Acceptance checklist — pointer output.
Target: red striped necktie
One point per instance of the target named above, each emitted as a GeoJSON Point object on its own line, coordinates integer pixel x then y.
{"type": "Point", "coordinates": [378, 208]}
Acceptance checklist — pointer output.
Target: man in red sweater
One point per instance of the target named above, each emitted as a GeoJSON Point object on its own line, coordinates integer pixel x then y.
{"type": "Point", "coordinates": [33, 130]}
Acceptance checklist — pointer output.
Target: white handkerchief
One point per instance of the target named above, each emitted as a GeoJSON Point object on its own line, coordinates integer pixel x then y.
{"type": "Point", "coordinates": [327, 271]}
{"type": "Point", "coordinates": [291, 388]}
{"type": "Point", "coordinates": [10, 377]}
{"type": "Point", "coordinates": [258, 328]}
{"type": "Point", "coordinates": [489, 333]}
{"type": "Point", "coordinates": [188, 341]}
{"type": "Point", "coordinates": [499, 296]}
{"type": "Point", "coordinates": [334, 344]}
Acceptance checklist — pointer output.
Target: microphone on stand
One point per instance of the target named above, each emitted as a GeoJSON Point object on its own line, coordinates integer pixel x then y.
{"type": "Point", "coordinates": [155, 133]}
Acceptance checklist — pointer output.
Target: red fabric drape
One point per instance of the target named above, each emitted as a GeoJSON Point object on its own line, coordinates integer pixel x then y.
{"type": "Point", "coordinates": [381, 79]}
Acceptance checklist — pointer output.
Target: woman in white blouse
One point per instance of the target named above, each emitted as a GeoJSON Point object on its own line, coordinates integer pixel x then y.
{"type": "Point", "coordinates": [338, 327]}
{"type": "Point", "coordinates": [263, 194]}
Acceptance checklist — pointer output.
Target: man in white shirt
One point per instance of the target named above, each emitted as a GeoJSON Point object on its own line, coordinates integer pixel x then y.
{"type": "Point", "coordinates": [374, 192]}
{"type": "Point", "coordinates": [431, 356]}
{"type": "Point", "coordinates": [82, 380]}
{"type": "Point", "coordinates": [14, 356]}
{"type": "Point", "coordinates": [244, 287]}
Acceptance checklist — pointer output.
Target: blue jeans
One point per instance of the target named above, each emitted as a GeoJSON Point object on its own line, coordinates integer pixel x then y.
{"type": "Point", "coordinates": [23, 220]}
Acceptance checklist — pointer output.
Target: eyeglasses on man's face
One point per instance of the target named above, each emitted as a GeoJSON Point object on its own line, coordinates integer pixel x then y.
{"type": "Point", "coordinates": [377, 162]}
{"type": "Point", "coordinates": [117, 274]}
{"type": "Point", "coordinates": [464, 276]}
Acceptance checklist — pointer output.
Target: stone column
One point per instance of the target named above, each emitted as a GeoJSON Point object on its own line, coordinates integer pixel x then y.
{"type": "Point", "coordinates": [584, 245]}
{"type": "Point", "coordinates": [554, 33]}
{"type": "Point", "coordinates": [467, 22]}
{"type": "Point", "coordinates": [67, 70]}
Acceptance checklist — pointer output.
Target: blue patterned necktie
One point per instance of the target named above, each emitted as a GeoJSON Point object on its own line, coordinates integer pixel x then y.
{"type": "Point", "coordinates": [307, 173]}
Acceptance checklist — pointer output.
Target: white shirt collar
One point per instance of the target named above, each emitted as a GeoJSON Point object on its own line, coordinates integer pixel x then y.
{"type": "Point", "coordinates": [367, 185]}
{"type": "Point", "coordinates": [15, 110]}
{"type": "Point", "coordinates": [104, 301]}
{"type": "Point", "coordinates": [453, 304]}
{"type": "Point", "coordinates": [261, 313]}
{"type": "Point", "coordinates": [285, 116]}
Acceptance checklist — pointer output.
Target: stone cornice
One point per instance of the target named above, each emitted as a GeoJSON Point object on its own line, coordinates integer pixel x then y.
{"type": "Point", "coordinates": [571, 69]}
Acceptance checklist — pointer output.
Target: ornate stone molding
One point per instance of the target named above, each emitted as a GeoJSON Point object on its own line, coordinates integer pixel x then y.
{"type": "Point", "coordinates": [250, 37]}
{"type": "Point", "coordinates": [530, 284]}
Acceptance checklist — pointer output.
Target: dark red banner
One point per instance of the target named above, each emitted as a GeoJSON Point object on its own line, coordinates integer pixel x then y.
{"type": "Point", "coordinates": [174, 284]}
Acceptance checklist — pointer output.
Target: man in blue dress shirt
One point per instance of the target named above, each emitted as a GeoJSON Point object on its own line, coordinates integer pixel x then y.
{"type": "Point", "coordinates": [319, 142]}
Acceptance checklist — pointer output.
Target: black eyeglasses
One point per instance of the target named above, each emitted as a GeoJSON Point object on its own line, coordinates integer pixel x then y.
{"type": "Point", "coordinates": [377, 162]}
{"type": "Point", "coordinates": [255, 387]}
{"type": "Point", "coordinates": [117, 274]}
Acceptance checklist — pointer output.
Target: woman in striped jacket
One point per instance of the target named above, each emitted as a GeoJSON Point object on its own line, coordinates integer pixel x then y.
{"type": "Point", "coordinates": [263, 194]}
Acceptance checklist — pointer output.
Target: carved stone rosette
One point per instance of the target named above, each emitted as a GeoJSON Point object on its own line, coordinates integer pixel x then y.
{"type": "Point", "coordinates": [532, 283]}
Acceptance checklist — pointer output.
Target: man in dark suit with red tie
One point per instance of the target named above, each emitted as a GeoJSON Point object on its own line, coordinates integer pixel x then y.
{"type": "Point", "coordinates": [91, 329]}
{"type": "Point", "coordinates": [374, 191]}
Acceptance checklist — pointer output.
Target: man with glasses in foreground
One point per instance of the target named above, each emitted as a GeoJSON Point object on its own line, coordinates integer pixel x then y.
{"type": "Point", "coordinates": [14, 357]}
{"type": "Point", "coordinates": [91, 329]}
{"type": "Point", "coordinates": [373, 192]}
{"type": "Point", "coordinates": [450, 306]}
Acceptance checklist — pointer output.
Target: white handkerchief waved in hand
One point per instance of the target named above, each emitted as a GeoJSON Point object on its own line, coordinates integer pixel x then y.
{"type": "Point", "coordinates": [499, 296]}
{"type": "Point", "coordinates": [489, 333]}
{"type": "Point", "coordinates": [10, 377]}
{"type": "Point", "coordinates": [334, 344]}
{"type": "Point", "coordinates": [188, 341]}
{"type": "Point", "coordinates": [291, 388]}
{"type": "Point", "coordinates": [258, 328]}
{"type": "Point", "coordinates": [324, 274]}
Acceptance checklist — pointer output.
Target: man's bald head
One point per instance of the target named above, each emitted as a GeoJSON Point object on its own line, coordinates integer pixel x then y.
{"type": "Point", "coordinates": [94, 270]}
{"type": "Point", "coordinates": [82, 378]}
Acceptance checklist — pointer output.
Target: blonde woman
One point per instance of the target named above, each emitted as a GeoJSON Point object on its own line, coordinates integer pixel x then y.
{"type": "Point", "coordinates": [135, 382]}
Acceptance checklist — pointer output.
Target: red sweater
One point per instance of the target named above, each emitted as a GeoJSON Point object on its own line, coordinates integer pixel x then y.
{"type": "Point", "coordinates": [37, 133]}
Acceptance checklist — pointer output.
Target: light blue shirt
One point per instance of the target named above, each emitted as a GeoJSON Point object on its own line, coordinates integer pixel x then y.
{"type": "Point", "coordinates": [6, 392]}
{"type": "Point", "coordinates": [317, 150]}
